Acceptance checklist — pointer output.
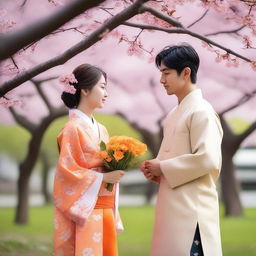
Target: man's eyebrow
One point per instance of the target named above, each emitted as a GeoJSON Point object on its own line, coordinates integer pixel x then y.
{"type": "Point", "coordinates": [164, 69]}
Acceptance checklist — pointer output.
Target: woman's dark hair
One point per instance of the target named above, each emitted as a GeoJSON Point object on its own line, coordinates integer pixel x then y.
{"type": "Point", "coordinates": [87, 77]}
{"type": "Point", "coordinates": [179, 57]}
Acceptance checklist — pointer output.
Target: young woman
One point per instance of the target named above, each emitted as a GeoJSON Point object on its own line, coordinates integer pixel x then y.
{"type": "Point", "coordinates": [86, 214]}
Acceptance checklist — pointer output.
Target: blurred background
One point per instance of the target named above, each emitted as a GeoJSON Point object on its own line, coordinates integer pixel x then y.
{"type": "Point", "coordinates": [136, 106]}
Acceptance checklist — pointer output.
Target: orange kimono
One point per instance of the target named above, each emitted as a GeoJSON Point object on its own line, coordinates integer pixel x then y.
{"type": "Point", "coordinates": [86, 218]}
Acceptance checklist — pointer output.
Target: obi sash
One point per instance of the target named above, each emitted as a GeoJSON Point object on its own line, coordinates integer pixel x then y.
{"type": "Point", "coordinates": [105, 202]}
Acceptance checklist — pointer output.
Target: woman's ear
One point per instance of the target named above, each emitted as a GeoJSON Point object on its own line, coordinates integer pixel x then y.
{"type": "Point", "coordinates": [84, 92]}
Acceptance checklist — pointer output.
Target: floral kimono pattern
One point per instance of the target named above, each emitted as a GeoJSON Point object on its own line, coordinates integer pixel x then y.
{"type": "Point", "coordinates": [86, 218]}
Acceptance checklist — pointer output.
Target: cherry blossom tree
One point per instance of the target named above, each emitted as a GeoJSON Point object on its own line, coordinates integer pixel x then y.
{"type": "Point", "coordinates": [36, 131]}
{"type": "Point", "coordinates": [220, 30]}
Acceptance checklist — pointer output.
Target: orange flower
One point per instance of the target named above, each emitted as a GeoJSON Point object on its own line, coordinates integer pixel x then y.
{"type": "Point", "coordinates": [118, 155]}
{"type": "Point", "coordinates": [108, 159]}
{"type": "Point", "coordinates": [104, 154]}
{"type": "Point", "coordinates": [119, 152]}
{"type": "Point", "coordinates": [125, 143]}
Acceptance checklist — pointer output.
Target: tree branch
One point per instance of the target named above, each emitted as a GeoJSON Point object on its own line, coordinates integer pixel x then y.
{"type": "Point", "coordinates": [241, 137]}
{"type": "Point", "coordinates": [188, 32]}
{"type": "Point", "coordinates": [77, 48]}
{"type": "Point", "coordinates": [234, 31]}
{"type": "Point", "coordinates": [13, 42]}
{"type": "Point", "coordinates": [241, 101]}
{"type": "Point", "coordinates": [192, 24]}
{"type": "Point", "coordinates": [38, 84]}
{"type": "Point", "coordinates": [22, 120]}
{"type": "Point", "coordinates": [225, 126]}
{"type": "Point", "coordinates": [161, 16]}
{"type": "Point", "coordinates": [60, 30]}
{"type": "Point", "coordinates": [24, 3]}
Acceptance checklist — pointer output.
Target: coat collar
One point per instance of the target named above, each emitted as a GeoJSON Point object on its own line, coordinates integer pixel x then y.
{"type": "Point", "coordinates": [191, 98]}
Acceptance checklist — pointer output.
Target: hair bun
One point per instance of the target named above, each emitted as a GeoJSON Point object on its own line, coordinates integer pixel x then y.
{"type": "Point", "coordinates": [70, 100]}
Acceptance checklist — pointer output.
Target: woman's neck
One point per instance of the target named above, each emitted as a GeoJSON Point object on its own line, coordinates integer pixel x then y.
{"type": "Point", "coordinates": [86, 110]}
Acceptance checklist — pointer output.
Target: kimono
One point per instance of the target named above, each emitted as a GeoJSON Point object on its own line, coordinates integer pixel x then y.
{"type": "Point", "coordinates": [190, 161]}
{"type": "Point", "coordinates": [86, 218]}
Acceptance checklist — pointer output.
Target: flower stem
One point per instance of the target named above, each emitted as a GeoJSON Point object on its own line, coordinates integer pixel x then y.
{"type": "Point", "coordinates": [109, 187]}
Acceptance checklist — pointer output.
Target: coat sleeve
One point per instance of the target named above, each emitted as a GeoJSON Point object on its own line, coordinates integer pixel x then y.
{"type": "Point", "coordinates": [205, 157]}
{"type": "Point", "coordinates": [76, 186]}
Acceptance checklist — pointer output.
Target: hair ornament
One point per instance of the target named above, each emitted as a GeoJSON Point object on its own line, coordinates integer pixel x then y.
{"type": "Point", "coordinates": [68, 80]}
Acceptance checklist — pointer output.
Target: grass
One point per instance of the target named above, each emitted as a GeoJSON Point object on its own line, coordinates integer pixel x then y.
{"type": "Point", "coordinates": [238, 234]}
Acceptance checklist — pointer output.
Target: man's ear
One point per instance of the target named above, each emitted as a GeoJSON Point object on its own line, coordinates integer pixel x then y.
{"type": "Point", "coordinates": [186, 73]}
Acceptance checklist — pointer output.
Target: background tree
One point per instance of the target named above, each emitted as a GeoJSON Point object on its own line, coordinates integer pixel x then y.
{"type": "Point", "coordinates": [28, 163]}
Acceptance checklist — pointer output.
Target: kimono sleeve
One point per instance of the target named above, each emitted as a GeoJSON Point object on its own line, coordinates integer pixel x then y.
{"type": "Point", "coordinates": [76, 186]}
{"type": "Point", "coordinates": [205, 157]}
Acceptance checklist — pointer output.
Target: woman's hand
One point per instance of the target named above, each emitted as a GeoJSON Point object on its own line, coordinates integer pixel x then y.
{"type": "Point", "coordinates": [113, 177]}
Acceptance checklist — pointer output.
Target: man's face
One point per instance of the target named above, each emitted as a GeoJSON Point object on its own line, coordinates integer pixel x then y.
{"type": "Point", "coordinates": [170, 79]}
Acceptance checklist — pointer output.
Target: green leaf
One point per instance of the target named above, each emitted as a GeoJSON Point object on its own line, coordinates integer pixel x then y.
{"type": "Point", "coordinates": [103, 146]}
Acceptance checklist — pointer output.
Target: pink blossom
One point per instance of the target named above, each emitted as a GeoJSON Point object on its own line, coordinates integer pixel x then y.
{"type": "Point", "coordinates": [5, 24]}
{"type": "Point", "coordinates": [69, 89]}
{"type": "Point", "coordinates": [204, 44]}
{"type": "Point", "coordinates": [88, 14]}
{"type": "Point", "coordinates": [134, 49]}
{"type": "Point", "coordinates": [226, 56]}
{"type": "Point", "coordinates": [33, 47]}
{"type": "Point", "coordinates": [253, 65]}
{"type": "Point", "coordinates": [148, 18]}
{"type": "Point", "coordinates": [93, 26]}
{"type": "Point", "coordinates": [247, 41]}
{"type": "Point", "coordinates": [115, 34]}
{"type": "Point", "coordinates": [69, 78]}
{"type": "Point", "coordinates": [9, 70]}
{"type": "Point", "coordinates": [56, 2]}
{"type": "Point", "coordinates": [9, 102]}
{"type": "Point", "coordinates": [218, 58]}
{"type": "Point", "coordinates": [151, 59]}
{"type": "Point", "coordinates": [67, 81]}
{"type": "Point", "coordinates": [235, 62]}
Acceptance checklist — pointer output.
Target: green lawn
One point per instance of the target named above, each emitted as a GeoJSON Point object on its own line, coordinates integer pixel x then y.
{"type": "Point", "coordinates": [238, 234]}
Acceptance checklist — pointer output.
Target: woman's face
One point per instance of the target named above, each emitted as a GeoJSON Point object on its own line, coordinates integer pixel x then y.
{"type": "Point", "coordinates": [96, 97]}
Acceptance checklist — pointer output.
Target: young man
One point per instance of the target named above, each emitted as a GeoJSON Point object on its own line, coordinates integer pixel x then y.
{"type": "Point", "coordinates": [188, 164]}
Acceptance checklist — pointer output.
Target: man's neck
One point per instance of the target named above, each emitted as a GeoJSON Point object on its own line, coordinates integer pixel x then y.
{"type": "Point", "coordinates": [187, 90]}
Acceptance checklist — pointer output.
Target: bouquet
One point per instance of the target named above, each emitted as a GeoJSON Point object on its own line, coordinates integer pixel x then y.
{"type": "Point", "coordinates": [119, 153]}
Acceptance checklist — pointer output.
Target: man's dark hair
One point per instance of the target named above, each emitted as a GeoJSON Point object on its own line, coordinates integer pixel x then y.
{"type": "Point", "coordinates": [179, 57]}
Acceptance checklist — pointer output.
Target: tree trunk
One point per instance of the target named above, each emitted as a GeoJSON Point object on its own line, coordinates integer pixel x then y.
{"type": "Point", "coordinates": [26, 168]}
{"type": "Point", "coordinates": [21, 216]}
{"type": "Point", "coordinates": [229, 185]}
{"type": "Point", "coordinates": [45, 175]}
{"type": "Point", "coordinates": [153, 141]}
{"type": "Point", "coordinates": [28, 164]}
{"type": "Point", "coordinates": [230, 188]}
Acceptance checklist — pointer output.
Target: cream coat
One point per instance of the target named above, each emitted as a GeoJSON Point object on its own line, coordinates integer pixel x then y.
{"type": "Point", "coordinates": [190, 160]}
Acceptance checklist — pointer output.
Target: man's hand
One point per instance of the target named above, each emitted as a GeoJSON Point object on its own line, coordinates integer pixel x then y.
{"type": "Point", "coordinates": [147, 173]}
{"type": "Point", "coordinates": [153, 166]}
